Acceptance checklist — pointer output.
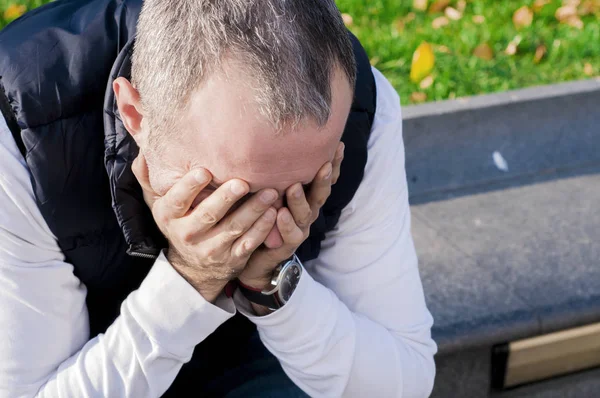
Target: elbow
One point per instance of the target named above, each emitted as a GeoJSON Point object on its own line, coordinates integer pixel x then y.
{"type": "Point", "coordinates": [419, 370]}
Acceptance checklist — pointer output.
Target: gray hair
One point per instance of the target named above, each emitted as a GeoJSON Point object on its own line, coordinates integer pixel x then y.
{"type": "Point", "coordinates": [290, 48]}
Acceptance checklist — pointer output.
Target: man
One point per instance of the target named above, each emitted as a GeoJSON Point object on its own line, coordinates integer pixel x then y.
{"type": "Point", "coordinates": [164, 197]}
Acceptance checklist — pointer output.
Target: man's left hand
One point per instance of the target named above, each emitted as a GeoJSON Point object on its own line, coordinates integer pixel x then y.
{"type": "Point", "coordinates": [294, 223]}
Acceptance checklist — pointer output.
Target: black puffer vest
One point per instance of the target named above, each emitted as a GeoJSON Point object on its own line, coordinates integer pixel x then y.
{"type": "Point", "coordinates": [57, 65]}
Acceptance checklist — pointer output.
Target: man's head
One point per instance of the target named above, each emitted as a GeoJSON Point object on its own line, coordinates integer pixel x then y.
{"type": "Point", "coordinates": [252, 89]}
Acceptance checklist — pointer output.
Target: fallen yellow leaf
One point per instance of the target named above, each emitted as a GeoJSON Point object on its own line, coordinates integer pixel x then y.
{"type": "Point", "coordinates": [418, 97]}
{"type": "Point", "coordinates": [14, 11]}
{"type": "Point", "coordinates": [587, 69]}
{"type": "Point", "coordinates": [453, 13]}
{"type": "Point", "coordinates": [426, 83]}
{"type": "Point", "coordinates": [461, 5]}
{"type": "Point", "coordinates": [420, 5]}
{"type": "Point", "coordinates": [439, 22]}
{"type": "Point", "coordinates": [522, 17]}
{"type": "Point", "coordinates": [539, 4]}
{"type": "Point", "coordinates": [478, 19]}
{"type": "Point", "coordinates": [438, 6]}
{"type": "Point", "coordinates": [422, 62]}
{"type": "Point", "coordinates": [483, 51]}
{"type": "Point", "coordinates": [574, 3]}
{"type": "Point", "coordinates": [565, 12]}
{"type": "Point", "coordinates": [540, 51]}
{"type": "Point", "coordinates": [348, 20]}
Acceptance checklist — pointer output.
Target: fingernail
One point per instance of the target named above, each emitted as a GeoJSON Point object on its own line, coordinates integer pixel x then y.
{"type": "Point", "coordinates": [286, 217]}
{"type": "Point", "coordinates": [328, 171]}
{"type": "Point", "coordinates": [201, 177]}
{"type": "Point", "coordinates": [298, 192]}
{"type": "Point", "coordinates": [270, 214]}
{"type": "Point", "coordinates": [268, 196]}
{"type": "Point", "coordinates": [237, 188]}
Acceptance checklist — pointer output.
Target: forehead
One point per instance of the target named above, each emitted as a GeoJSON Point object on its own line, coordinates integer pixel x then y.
{"type": "Point", "coordinates": [226, 134]}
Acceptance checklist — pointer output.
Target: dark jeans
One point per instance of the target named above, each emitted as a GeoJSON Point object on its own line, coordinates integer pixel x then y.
{"type": "Point", "coordinates": [260, 376]}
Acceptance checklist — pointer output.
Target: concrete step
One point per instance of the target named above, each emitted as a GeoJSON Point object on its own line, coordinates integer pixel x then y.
{"type": "Point", "coordinates": [507, 254]}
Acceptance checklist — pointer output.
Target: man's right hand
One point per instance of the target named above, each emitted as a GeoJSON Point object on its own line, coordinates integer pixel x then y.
{"type": "Point", "coordinates": [207, 246]}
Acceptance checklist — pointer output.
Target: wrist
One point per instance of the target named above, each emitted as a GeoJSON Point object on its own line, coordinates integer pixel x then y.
{"type": "Point", "coordinates": [208, 289]}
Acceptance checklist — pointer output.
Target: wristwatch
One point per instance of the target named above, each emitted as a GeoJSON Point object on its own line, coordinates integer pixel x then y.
{"type": "Point", "coordinates": [283, 283]}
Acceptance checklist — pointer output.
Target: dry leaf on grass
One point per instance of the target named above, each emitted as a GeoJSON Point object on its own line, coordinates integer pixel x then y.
{"type": "Point", "coordinates": [539, 4]}
{"type": "Point", "coordinates": [565, 12]}
{"type": "Point", "coordinates": [511, 49]}
{"type": "Point", "coordinates": [540, 51]}
{"type": "Point", "coordinates": [589, 7]}
{"type": "Point", "coordinates": [14, 11]}
{"type": "Point", "coordinates": [438, 6]}
{"type": "Point", "coordinates": [402, 22]}
{"type": "Point", "coordinates": [439, 22]}
{"type": "Point", "coordinates": [418, 97]}
{"type": "Point", "coordinates": [426, 83]}
{"type": "Point", "coordinates": [574, 21]}
{"type": "Point", "coordinates": [453, 13]}
{"type": "Point", "coordinates": [422, 62]}
{"type": "Point", "coordinates": [483, 51]}
{"type": "Point", "coordinates": [522, 17]}
{"type": "Point", "coordinates": [348, 20]}
{"type": "Point", "coordinates": [574, 3]}
{"type": "Point", "coordinates": [587, 69]}
{"type": "Point", "coordinates": [420, 5]}
{"type": "Point", "coordinates": [461, 5]}
{"type": "Point", "coordinates": [478, 19]}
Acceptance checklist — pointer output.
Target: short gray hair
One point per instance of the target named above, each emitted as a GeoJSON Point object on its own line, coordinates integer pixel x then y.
{"type": "Point", "coordinates": [290, 47]}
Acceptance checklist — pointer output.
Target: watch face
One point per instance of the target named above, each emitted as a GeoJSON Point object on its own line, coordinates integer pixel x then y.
{"type": "Point", "coordinates": [288, 284]}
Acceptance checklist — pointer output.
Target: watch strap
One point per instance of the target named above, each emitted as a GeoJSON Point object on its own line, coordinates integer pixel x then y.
{"type": "Point", "coordinates": [257, 297]}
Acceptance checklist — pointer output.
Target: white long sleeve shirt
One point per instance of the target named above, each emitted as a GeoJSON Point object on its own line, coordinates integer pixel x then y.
{"type": "Point", "coordinates": [356, 326]}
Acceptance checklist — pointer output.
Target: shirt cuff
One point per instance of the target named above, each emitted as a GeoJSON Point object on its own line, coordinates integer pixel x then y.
{"type": "Point", "coordinates": [295, 322]}
{"type": "Point", "coordinates": [172, 312]}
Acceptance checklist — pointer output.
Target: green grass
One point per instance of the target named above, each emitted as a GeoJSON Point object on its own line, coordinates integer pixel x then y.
{"type": "Point", "coordinates": [459, 73]}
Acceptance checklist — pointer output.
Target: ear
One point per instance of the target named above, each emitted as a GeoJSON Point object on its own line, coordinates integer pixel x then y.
{"type": "Point", "coordinates": [130, 109]}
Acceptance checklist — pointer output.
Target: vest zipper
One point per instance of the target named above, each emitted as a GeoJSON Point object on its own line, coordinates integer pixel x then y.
{"type": "Point", "coordinates": [143, 255]}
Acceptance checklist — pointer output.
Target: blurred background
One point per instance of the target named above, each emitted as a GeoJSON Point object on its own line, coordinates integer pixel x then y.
{"type": "Point", "coordinates": [443, 49]}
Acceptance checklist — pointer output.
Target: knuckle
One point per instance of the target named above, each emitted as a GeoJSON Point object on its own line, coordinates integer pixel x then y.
{"type": "Point", "coordinates": [208, 218]}
{"type": "Point", "coordinates": [245, 249]}
{"type": "Point", "coordinates": [228, 199]}
{"type": "Point", "coordinates": [235, 228]}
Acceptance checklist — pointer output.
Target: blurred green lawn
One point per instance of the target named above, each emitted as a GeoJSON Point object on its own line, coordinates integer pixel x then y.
{"type": "Point", "coordinates": [390, 44]}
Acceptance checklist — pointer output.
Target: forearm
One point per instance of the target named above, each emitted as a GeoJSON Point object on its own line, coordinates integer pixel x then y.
{"type": "Point", "coordinates": [141, 352]}
{"type": "Point", "coordinates": [328, 350]}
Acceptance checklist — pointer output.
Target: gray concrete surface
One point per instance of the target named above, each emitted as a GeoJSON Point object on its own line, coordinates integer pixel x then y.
{"type": "Point", "coordinates": [507, 254]}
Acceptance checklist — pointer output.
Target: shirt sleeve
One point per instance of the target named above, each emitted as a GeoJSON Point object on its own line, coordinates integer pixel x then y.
{"type": "Point", "coordinates": [44, 337]}
{"type": "Point", "coordinates": [357, 324]}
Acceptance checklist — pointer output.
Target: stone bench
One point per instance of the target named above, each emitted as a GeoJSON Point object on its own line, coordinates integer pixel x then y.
{"type": "Point", "coordinates": [507, 253]}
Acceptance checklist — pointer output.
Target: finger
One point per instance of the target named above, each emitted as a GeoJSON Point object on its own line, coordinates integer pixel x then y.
{"type": "Point", "coordinates": [337, 163]}
{"type": "Point", "coordinates": [298, 206]}
{"type": "Point", "coordinates": [320, 189]}
{"type": "Point", "coordinates": [291, 233]}
{"type": "Point", "coordinates": [179, 198]}
{"type": "Point", "coordinates": [246, 244]}
{"type": "Point", "coordinates": [241, 220]}
{"type": "Point", "coordinates": [212, 209]}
